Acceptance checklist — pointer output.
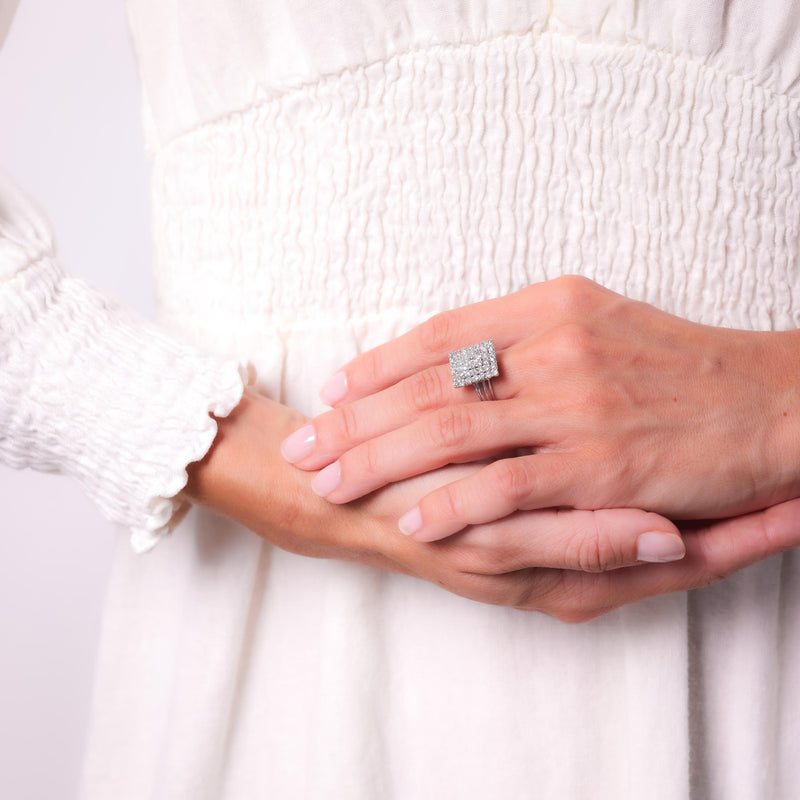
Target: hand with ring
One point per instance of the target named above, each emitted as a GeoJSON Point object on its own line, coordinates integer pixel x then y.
{"type": "Point", "coordinates": [601, 402]}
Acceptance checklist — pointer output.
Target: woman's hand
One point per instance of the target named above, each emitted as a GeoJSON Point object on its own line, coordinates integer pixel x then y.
{"type": "Point", "coordinates": [245, 477]}
{"type": "Point", "coordinates": [617, 403]}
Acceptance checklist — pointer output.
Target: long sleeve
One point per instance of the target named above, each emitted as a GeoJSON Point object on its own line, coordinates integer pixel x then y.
{"type": "Point", "coordinates": [89, 389]}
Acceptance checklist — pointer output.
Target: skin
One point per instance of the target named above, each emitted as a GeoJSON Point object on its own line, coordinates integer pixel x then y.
{"type": "Point", "coordinates": [245, 477]}
{"type": "Point", "coordinates": [616, 404]}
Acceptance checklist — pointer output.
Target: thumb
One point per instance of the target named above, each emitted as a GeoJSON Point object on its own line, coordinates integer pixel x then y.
{"type": "Point", "coordinates": [591, 541]}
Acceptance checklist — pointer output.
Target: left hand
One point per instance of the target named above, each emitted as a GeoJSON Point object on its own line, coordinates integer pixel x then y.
{"type": "Point", "coordinates": [617, 404]}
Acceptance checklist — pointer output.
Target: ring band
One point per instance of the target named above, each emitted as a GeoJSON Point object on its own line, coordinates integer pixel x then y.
{"type": "Point", "coordinates": [475, 366]}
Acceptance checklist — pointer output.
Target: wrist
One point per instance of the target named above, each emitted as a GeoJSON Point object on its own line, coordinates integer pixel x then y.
{"type": "Point", "coordinates": [243, 476]}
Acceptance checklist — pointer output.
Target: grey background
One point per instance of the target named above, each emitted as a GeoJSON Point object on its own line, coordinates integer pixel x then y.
{"type": "Point", "coordinates": [70, 135]}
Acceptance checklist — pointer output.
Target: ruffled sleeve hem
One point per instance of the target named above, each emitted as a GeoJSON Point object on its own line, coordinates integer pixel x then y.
{"type": "Point", "coordinates": [166, 507]}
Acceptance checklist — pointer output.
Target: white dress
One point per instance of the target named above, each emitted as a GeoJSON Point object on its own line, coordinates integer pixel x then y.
{"type": "Point", "coordinates": [325, 175]}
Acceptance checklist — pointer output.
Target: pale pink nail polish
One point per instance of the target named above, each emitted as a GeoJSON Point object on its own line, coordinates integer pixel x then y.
{"type": "Point", "coordinates": [410, 522]}
{"type": "Point", "coordinates": [327, 479]}
{"type": "Point", "coordinates": [299, 445]}
{"type": "Point", "coordinates": [335, 389]}
{"type": "Point", "coordinates": [657, 547]}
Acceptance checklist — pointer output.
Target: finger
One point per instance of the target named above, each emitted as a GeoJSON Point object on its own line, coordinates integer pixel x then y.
{"type": "Point", "coordinates": [725, 547]}
{"type": "Point", "coordinates": [713, 552]}
{"type": "Point", "coordinates": [589, 541]}
{"type": "Point", "coordinates": [333, 433]}
{"type": "Point", "coordinates": [455, 434]}
{"type": "Point", "coordinates": [543, 480]}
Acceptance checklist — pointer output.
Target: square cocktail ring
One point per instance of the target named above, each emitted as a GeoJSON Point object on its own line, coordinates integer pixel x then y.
{"type": "Point", "coordinates": [475, 365]}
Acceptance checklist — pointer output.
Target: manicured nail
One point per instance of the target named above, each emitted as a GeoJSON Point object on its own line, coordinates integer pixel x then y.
{"type": "Point", "coordinates": [327, 479]}
{"type": "Point", "coordinates": [335, 389]}
{"type": "Point", "coordinates": [410, 522]}
{"type": "Point", "coordinates": [659, 548]}
{"type": "Point", "coordinates": [299, 445]}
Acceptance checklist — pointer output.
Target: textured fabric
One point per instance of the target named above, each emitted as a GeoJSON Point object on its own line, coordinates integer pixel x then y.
{"type": "Point", "coordinates": [472, 170]}
{"type": "Point", "coordinates": [199, 59]}
{"type": "Point", "coordinates": [327, 174]}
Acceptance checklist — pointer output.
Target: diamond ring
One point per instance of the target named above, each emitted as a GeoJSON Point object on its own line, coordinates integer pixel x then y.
{"type": "Point", "coordinates": [475, 365]}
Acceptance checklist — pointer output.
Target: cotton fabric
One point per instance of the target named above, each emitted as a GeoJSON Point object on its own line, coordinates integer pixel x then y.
{"type": "Point", "coordinates": [327, 174]}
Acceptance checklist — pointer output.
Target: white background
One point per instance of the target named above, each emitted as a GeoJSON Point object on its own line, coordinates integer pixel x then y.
{"type": "Point", "coordinates": [70, 135]}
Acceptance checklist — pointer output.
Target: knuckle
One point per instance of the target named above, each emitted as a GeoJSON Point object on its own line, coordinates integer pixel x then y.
{"type": "Point", "coordinates": [713, 568]}
{"type": "Point", "coordinates": [371, 369]}
{"type": "Point", "coordinates": [513, 479]}
{"type": "Point", "coordinates": [479, 561]}
{"type": "Point", "coordinates": [451, 427]}
{"type": "Point", "coordinates": [570, 597]}
{"type": "Point", "coordinates": [573, 599]}
{"type": "Point", "coordinates": [573, 292]}
{"type": "Point", "coordinates": [438, 332]}
{"type": "Point", "coordinates": [448, 503]}
{"type": "Point", "coordinates": [576, 608]}
{"type": "Point", "coordinates": [425, 390]}
{"type": "Point", "coordinates": [769, 541]}
{"type": "Point", "coordinates": [577, 341]}
{"type": "Point", "coordinates": [586, 552]}
{"type": "Point", "coordinates": [369, 459]}
{"type": "Point", "coordinates": [593, 549]}
{"type": "Point", "coordinates": [347, 424]}
{"type": "Point", "coordinates": [570, 616]}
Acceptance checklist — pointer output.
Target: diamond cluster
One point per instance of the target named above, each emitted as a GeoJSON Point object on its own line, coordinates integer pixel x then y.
{"type": "Point", "coordinates": [472, 364]}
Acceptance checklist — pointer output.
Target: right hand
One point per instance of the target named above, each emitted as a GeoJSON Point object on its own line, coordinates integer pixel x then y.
{"type": "Point", "coordinates": [562, 563]}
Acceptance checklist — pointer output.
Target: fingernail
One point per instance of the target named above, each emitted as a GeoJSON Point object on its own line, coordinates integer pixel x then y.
{"type": "Point", "coordinates": [659, 548]}
{"type": "Point", "coordinates": [327, 479]}
{"type": "Point", "coordinates": [335, 389]}
{"type": "Point", "coordinates": [299, 445]}
{"type": "Point", "coordinates": [410, 522]}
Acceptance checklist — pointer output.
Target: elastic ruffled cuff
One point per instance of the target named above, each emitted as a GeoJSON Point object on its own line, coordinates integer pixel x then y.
{"type": "Point", "coordinates": [166, 508]}
{"type": "Point", "coordinates": [90, 389]}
